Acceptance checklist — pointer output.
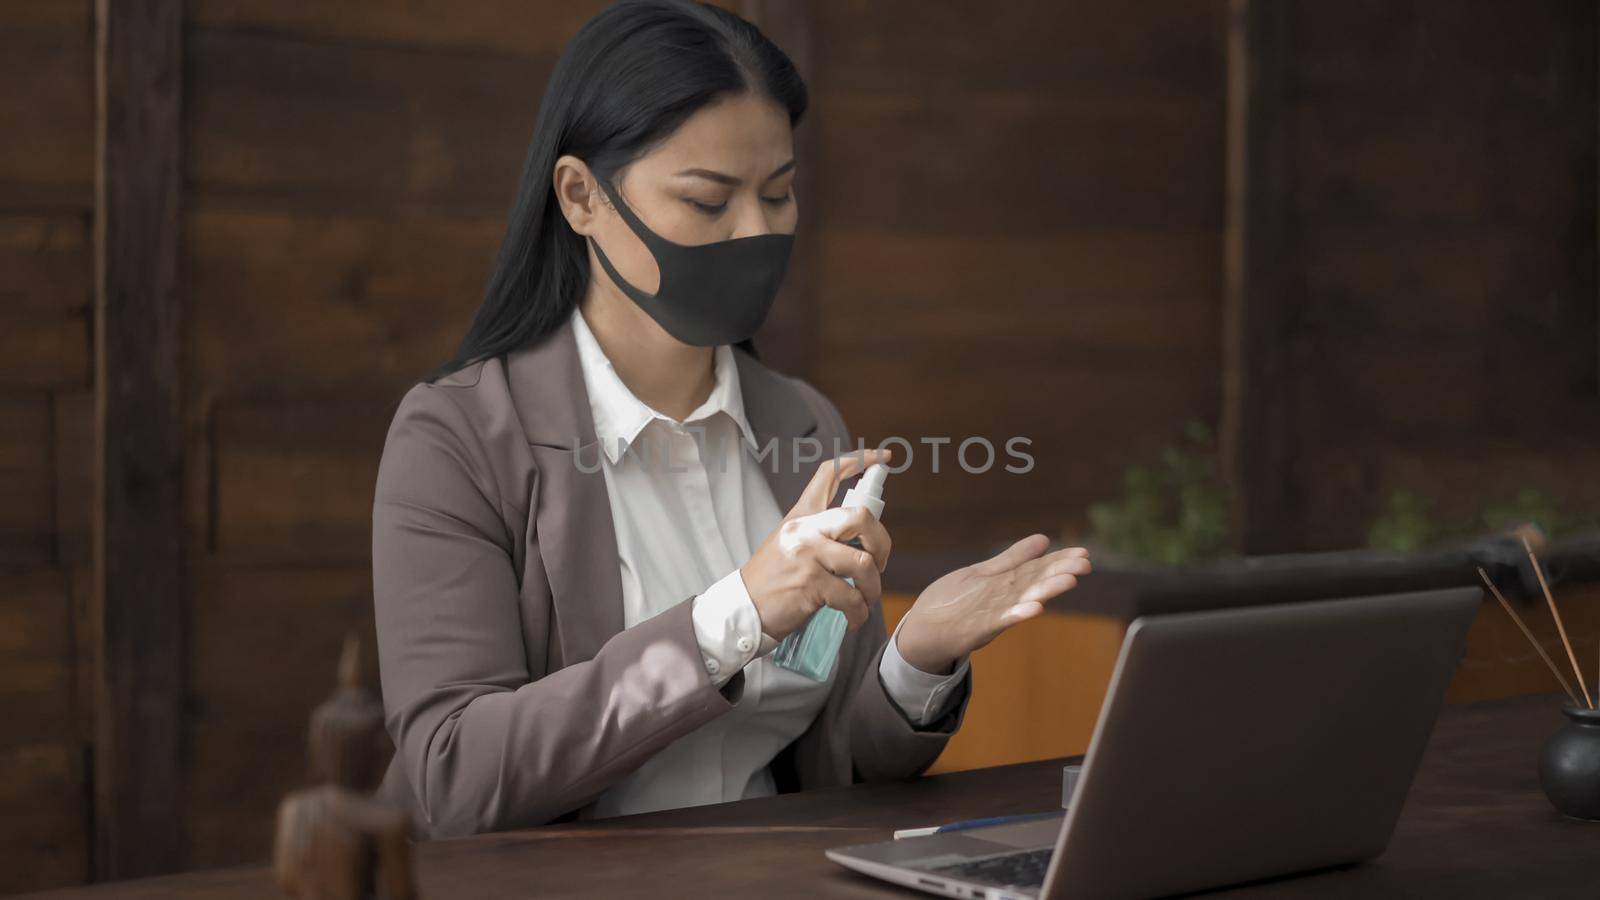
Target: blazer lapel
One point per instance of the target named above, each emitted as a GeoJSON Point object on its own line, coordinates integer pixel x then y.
{"type": "Point", "coordinates": [576, 537]}
{"type": "Point", "coordinates": [576, 534]}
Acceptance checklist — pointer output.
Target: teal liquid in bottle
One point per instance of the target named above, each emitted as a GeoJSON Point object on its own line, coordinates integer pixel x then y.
{"type": "Point", "coordinates": [813, 650]}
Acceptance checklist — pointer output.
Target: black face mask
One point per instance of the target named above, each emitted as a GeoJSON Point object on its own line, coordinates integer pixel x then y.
{"type": "Point", "coordinates": [710, 294]}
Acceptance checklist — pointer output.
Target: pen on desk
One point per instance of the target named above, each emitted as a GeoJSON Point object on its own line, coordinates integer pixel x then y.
{"type": "Point", "coordinates": [972, 823]}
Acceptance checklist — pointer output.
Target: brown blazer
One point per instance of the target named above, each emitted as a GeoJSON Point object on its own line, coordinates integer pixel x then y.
{"type": "Point", "coordinates": [511, 689]}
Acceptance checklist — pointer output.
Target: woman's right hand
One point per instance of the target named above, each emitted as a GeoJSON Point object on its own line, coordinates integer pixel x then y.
{"type": "Point", "coordinates": [802, 564]}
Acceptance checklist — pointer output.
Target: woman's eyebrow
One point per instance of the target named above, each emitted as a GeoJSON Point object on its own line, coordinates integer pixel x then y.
{"type": "Point", "coordinates": [729, 180]}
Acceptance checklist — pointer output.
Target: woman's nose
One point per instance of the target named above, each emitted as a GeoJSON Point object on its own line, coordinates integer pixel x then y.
{"type": "Point", "coordinates": [755, 218]}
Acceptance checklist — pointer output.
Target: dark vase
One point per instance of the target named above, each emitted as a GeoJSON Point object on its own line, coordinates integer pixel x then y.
{"type": "Point", "coordinates": [1569, 769]}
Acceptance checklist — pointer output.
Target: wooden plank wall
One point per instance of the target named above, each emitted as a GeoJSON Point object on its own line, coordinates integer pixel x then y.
{"type": "Point", "coordinates": [1440, 292]}
{"type": "Point", "coordinates": [1017, 235]}
{"type": "Point", "coordinates": [138, 501]}
{"type": "Point", "coordinates": [1020, 236]}
{"type": "Point", "coordinates": [46, 440]}
{"type": "Point", "coordinates": [349, 170]}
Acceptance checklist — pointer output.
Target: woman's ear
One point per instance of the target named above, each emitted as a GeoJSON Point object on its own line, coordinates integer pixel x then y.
{"type": "Point", "coordinates": [576, 192]}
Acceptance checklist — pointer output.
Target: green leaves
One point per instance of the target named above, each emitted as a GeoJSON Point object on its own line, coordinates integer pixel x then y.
{"type": "Point", "coordinates": [1173, 510]}
{"type": "Point", "coordinates": [1405, 526]}
{"type": "Point", "coordinates": [1409, 522]}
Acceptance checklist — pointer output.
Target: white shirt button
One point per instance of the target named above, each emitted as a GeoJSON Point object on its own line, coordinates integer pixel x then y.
{"type": "Point", "coordinates": [745, 645]}
{"type": "Point", "coordinates": [711, 666]}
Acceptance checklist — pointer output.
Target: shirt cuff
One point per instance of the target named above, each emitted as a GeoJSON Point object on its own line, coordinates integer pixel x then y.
{"type": "Point", "coordinates": [728, 628]}
{"type": "Point", "coordinates": [923, 696]}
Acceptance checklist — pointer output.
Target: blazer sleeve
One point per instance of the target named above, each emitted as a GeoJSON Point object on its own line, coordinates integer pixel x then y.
{"type": "Point", "coordinates": [883, 743]}
{"type": "Point", "coordinates": [484, 744]}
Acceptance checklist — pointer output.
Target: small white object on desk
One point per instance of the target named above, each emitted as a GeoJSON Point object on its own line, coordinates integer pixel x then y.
{"type": "Point", "coordinates": [1069, 783]}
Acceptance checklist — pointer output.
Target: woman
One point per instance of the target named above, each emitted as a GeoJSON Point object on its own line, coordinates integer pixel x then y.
{"type": "Point", "coordinates": [581, 558]}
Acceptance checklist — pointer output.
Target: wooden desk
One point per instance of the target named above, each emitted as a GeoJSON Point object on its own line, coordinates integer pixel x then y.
{"type": "Point", "coordinates": [1475, 825]}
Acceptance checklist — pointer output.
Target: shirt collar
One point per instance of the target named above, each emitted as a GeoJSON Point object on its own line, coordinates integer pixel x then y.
{"type": "Point", "coordinates": [619, 416]}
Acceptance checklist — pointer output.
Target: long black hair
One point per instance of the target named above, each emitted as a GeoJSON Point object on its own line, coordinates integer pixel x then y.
{"type": "Point", "coordinates": [625, 82]}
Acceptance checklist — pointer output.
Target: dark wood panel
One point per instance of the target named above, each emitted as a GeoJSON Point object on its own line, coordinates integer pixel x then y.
{"type": "Point", "coordinates": [247, 742]}
{"type": "Point", "coordinates": [42, 350]}
{"type": "Point", "coordinates": [241, 772]}
{"type": "Point", "coordinates": [1378, 48]}
{"type": "Point", "coordinates": [1120, 334]}
{"type": "Point", "coordinates": [37, 645]}
{"type": "Point", "coordinates": [1444, 205]}
{"type": "Point", "coordinates": [484, 27]}
{"type": "Point", "coordinates": [1171, 47]}
{"type": "Point", "coordinates": [1255, 438]}
{"type": "Point", "coordinates": [86, 627]}
{"type": "Point", "coordinates": [293, 477]}
{"type": "Point", "coordinates": [1431, 110]}
{"type": "Point", "coordinates": [1103, 294]}
{"type": "Point", "coordinates": [43, 753]}
{"type": "Point", "coordinates": [1461, 282]}
{"type": "Point", "coordinates": [27, 526]}
{"type": "Point", "coordinates": [276, 123]}
{"type": "Point", "coordinates": [46, 159]}
{"type": "Point", "coordinates": [72, 448]}
{"type": "Point", "coordinates": [47, 261]}
{"type": "Point", "coordinates": [527, 27]}
{"type": "Point", "coordinates": [1018, 163]}
{"type": "Point", "coordinates": [246, 620]}
{"type": "Point", "coordinates": [980, 392]}
{"type": "Point", "coordinates": [302, 301]}
{"type": "Point", "coordinates": [1181, 265]}
{"type": "Point", "coordinates": [44, 831]}
{"type": "Point", "coordinates": [1365, 162]}
{"type": "Point", "coordinates": [138, 566]}
{"type": "Point", "coordinates": [1439, 391]}
{"type": "Point", "coordinates": [1522, 373]}
{"type": "Point", "coordinates": [1395, 387]}
{"type": "Point", "coordinates": [46, 192]}
{"type": "Point", "coordinates": [1031, 248]}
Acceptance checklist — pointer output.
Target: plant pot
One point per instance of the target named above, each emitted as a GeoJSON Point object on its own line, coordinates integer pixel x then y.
{"type": "Point", "coordinates": [1569, 768]}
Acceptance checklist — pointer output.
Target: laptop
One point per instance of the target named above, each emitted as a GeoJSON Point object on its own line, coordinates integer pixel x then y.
{"type": "Point", "coordinates": [1233, 745]}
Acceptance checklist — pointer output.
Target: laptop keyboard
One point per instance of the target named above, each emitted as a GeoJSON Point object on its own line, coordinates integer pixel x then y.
{"type": "Point", "coordinates": [1023, 869]}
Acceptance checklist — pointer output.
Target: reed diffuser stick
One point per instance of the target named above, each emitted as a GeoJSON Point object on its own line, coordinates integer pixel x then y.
{"type": "Point", "coordinates": [1529, 635]}
{"type": "Point", "coordinates": [1561, 628]}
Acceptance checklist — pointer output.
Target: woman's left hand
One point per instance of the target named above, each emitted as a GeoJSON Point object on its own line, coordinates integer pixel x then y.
{"type": "Point", "coordinates": [969, 607]}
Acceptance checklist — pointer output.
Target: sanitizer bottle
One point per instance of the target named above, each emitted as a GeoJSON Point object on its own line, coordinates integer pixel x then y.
{"type": "Point", "coordinates": [814, 648]}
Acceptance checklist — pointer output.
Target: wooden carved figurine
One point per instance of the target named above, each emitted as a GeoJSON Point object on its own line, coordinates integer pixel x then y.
{"type": "Point", "coordinates": [334, 842]}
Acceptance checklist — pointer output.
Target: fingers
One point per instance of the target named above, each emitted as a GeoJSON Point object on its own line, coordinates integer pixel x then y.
{"type": "Point", "coordinates": [1073, 560]}
{"type": "Point", "coordinates": [1031, 601]}
{"type": "Point", "coordinates": [1043, 579]}
{"type": "Point", "coordinates": [1021, 612]}
{"type": "Point", "coordinates": [846, 599]}
{"type": "Point", "coordinates": [1048, 588]}
{"type": "Point", "coordinates": [825, 483]}
{"type": "Point", "coordinates": [843, 523]}
{"type": "Point", "coordinates": [845, 561]}
{"type": "Point", "coordinates": [1051, 575]}
{"type": "Point", "coordinates": [1013, 556]}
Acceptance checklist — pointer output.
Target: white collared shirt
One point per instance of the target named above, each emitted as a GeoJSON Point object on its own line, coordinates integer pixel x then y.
{"type": "Point", "coordinates": [690, 505]}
